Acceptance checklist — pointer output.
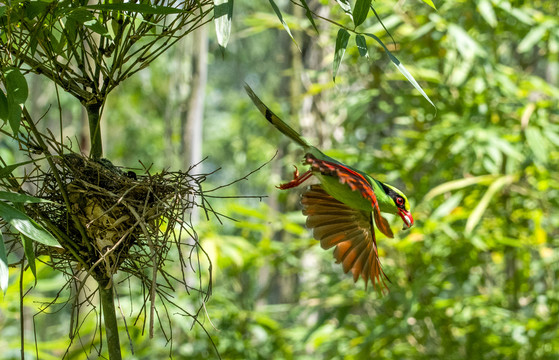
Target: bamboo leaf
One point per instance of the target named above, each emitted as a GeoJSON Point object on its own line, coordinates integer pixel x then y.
{"type": "Point", "coordinates": [458, 184]}
{"type": "Point", "coordinates": [479, 210]}
{"type": "Point", "coordinates": [430, 3]}
{"type": "Point", "coordinates": [25, 225]}
{"type": "Point", "coordinates": [223, 13]}
{"type": "Point", "coordinates": [308, 14]}
{"type": "Point", "coordinates": [402, 69]}
{"type": "Point", "coordinates": [285, 26]}
{"type": "Point", "coordinates": [341, 45]}
{"type": "Point", "coordinates": [20, 198]}
{"type": "Point", "coordinates": [144, 9]}
{"type": "Point", "coordinates": [8, 169]}
{"type": "Point", "coordinates": [4, 271]}
{"type": "Point", "coordinates": [29, 254]}
{"type": "Point", "coordinates": [361, 45]}
{"type": "Point", "coordinates": [360, 11]}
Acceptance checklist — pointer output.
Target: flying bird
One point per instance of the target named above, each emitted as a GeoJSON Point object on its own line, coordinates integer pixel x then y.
{"type": "Point", "coordinates": [345, 205]}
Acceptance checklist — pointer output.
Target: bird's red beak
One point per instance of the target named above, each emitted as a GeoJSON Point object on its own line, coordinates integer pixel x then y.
{"type": "Point", "coordinates": [407, 218]}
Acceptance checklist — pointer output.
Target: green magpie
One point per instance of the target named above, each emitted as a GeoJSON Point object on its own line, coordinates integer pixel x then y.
{"type": "Point", "coordinates": [344, 206]}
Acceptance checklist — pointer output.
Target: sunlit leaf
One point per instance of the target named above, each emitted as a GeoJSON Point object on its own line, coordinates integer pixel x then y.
{"type": "Point", "coordinates": [341, 45]}
{"type": "Point", "coordinates": [446, 207]}
{"type": "Point", "coordinates": [25, 225]}
{"type": "Point", "coordinates": [285, 26]}
{"type": "Point", "coordinates": [486, 10]}
{"type": "Point", "coordinates": [430, 3]}
{"type": "Point", "coordinates": [536, 142]}
{"type": "Point", "coordinates": [532, 38]}
{"type": "Point", "coordinates": [402, 69]}
{"type": "Point", "coordinates": [360, 11]}
{"type": "Point", "coordinates": [4, 271]}
{"type": "Point", "coordinates": [458, 184]}
{"type": "Point", "coordinates": [482, 205]}
{"type": "Point", "coordinates": [346, 7]}
{"type": "Point", "coordinates": [223, 13]}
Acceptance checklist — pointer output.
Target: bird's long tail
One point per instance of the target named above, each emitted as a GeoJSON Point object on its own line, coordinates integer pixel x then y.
{"type": "Point", "coordinates": [275, 120]}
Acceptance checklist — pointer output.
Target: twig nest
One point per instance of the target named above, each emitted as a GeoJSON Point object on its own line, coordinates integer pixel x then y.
{"type": "Point", "coordinates": [116, 216]}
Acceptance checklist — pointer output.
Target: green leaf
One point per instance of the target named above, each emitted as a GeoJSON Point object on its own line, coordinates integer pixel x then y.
{"type": "Point", "coordinates": [4, 271]}
{"type": "Point", "coordinates": [16, 85]}
{"type": "Point", "coordinates": [430, 3]}
{"type": "Point", "coordinates": [25, 225]}
{"type": "Point", "coordinates": [2, 10]}
{"type": "Point", "coordinates": [402, 69]}
{"type": "Point", "coordinates": [87, 19]}
{"type": "Point", "coordinates": [537, 144]}
{"type": "Point", "coordinates": [341, 45]}
{"type": "Point", "coordinates": [7, 170]}
{"type": "Point", "coordinates": [458, 184]}
{"type": "Point", "coordinates": [446, 207]}
{"type": "Point", "coordinates": [486, 10]}
{"type": "Point", "coordinates": [144, 9]}
{"type": "Point", "coordinates": [280, 17]}
{"type": "Point", "coordinates": [479, 210]}
{"type": "Point", "coordinates": [223, 13]}
{"type": "Point", "coordinates": [308, 14]}
{"type": "Point", "coordinates": [361, 45]}
{"type": "Point", "coordinates": [532, 38]}
{"type": "Point", "coordinates": [360, 11]}
{"type": "Point", "coordinates": [20, 198]}
{"type": "Point", "coordinates": [346, 7]}
{"type": "Point", "coordinates": [29, 254]}
{"type": "Point", "coordinates": [3, 106]}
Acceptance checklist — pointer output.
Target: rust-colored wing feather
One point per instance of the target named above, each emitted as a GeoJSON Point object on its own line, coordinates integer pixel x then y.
{"type": "Point", "coordinates": [356, 182]}
{"type": "Point", "coordinates": [350, 231]}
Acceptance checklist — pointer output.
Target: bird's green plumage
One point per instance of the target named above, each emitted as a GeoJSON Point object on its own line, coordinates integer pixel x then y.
{"type": "Point", "coordinates": [331, 184]}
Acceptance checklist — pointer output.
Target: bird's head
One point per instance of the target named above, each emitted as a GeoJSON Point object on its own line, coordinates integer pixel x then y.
{"type": "Point", "coordinates": [400, 205]}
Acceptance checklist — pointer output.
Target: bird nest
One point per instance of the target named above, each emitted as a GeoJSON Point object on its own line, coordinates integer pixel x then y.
{"type": "Point", "coordinates": [110, 219]}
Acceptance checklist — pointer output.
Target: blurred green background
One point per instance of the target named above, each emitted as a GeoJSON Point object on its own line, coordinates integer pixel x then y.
{"type": "Point", "coordinates": [476, 277]}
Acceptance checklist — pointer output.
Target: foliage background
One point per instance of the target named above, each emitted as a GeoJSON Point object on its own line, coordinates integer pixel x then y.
{"type": "Point", "coordinates": [477, 275]}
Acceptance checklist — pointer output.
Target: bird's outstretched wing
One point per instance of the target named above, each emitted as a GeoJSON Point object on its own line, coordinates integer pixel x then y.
{"type": "Point", "coordinates": [349, 230]}
{"type": "Point", "coordinates": [356, 182]}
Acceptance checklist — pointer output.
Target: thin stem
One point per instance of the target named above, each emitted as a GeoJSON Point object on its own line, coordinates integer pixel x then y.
{"type": "Point", "coordinates": [109, 315]}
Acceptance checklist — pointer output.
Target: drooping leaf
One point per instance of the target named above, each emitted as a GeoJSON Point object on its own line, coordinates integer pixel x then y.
{"type": "Point", "coordinates": [308, 14]}
{"type": "Point", "coordinates": [25, 225]}
{"type": "Point", "coordinates": [4, 272]}
{"type": "Point", "coordinates": [361, 45]}
{"type": "Point", "coordinates": [486, 10]}
{"type": "Point", "coordinates": [479, 210]}
{"type": "Point", "coordinates": [3, 106]}
{"type": "Point", "coordinates": [341, 45]}
{"type": "Point", "coordinates": [360, 11]}
{"type": "Point", "coordinates": [285, 26]}
{"type": "Point", "coordinates": [29, 254]}
{"type": "Point", "coordinates": [223, 13]}
{"type": "Point", "coordinates": [16, 95]}
{"type": "Point", "coordinates": [458, 184]}
{"type": "Point", "coordinates": [402, 69]}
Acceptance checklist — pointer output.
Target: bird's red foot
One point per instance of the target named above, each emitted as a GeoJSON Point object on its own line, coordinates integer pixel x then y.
{"type": "Point", "coordinates": [297, 180]}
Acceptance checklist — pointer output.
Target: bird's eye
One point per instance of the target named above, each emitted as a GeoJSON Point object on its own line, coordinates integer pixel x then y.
{"type": "Point", "coordinates": [400, 201]}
